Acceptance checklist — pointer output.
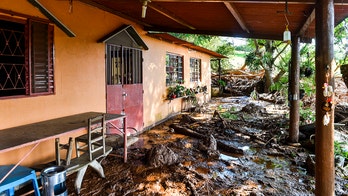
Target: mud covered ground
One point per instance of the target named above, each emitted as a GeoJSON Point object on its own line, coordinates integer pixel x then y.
{"type": "Point", "coordinates": [265, 164]}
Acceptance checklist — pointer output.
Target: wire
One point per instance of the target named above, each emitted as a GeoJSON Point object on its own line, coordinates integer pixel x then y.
{"type": "Point", "coordinates": [287, 21]}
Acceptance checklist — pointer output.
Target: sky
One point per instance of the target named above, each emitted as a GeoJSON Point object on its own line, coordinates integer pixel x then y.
{"type": "Point", "coordinates": [236, 40]}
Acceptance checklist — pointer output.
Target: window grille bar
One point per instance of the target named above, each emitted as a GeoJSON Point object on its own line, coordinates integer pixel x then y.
{"type": "Point", "coordinates": [124, 65]}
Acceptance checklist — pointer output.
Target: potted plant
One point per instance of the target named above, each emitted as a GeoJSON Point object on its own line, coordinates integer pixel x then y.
{"type": "Point", "coordinates": [171, 93]}
{"type": "Point", "coordinates": [179, 90]}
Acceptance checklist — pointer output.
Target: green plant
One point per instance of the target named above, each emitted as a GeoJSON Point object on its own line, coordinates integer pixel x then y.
{"type": "Point", "coordinates": [179, 90]}
{"type": "Point", "coordinates": [229, 115]}
{"type": "Point", "coordinates": [307, 85]}
{"type": "Point", "coordinates": [281, 86]}
{"type": "Point", "coordinates": [341, 149]}
{"type": "Point", "coordinates": [222, 83]}
{"type": "Point", "coordinates": [308, 115]}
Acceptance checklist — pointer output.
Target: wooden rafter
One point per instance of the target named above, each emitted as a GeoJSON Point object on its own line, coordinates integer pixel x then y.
{"type": "Point", "coordinates": [170, 15]}
{"type": "Point", "coordinates": [112, 11]}
{"type": "Point", "coordinates": [305, 26]}
{"type": "Point", "coordinates": [338, 2]}
{"type": "Point", "coordinates": [51, 17]}
{"type": "Point", "coordinates": [236, 15]}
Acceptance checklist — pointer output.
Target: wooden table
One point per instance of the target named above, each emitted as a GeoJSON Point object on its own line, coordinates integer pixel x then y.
{"type": "Point", "coordinates": [18, 137]}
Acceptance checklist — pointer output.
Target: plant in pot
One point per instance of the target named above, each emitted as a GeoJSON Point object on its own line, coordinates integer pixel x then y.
{"type": "Point", "coordinates": [179, 90]}
{"type": "Point", "coordinates": [171, 93]}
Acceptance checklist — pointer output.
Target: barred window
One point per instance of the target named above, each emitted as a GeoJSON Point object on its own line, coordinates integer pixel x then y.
{"type": "Point", "coordinates": [26, 58]}
{"type": "Point", "coordinates": [174, 69]}
{"type": "Point", "coordinates": [124, 65]}
{"type": "Point", "coordinates": [195, 70]}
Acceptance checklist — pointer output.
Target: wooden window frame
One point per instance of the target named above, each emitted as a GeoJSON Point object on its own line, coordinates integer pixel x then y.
{"type": "Point", "coordinates": [39, 74]}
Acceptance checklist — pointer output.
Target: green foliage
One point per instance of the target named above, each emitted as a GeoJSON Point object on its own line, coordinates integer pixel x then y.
{"type": "Point", "coordinates": [281, 85]}
{"type": "Point", "coordinates": [229, 115]}
{"type": "Point", "coordinates": [253, 61]}
{"type": "Point", "coordinates": [308, 115]}
{"type": "Point", "coordinates": [226, 49]}
{"type": "Point", "coordinates": [214, 43]}
{"type": "Point", "coordinates": [341, 45]}
{"type": "Point", "coordinates": [200, 40]}
{"type": "Point", "coordinates": [307, 85]}
{"type": "Point", "coordinates": [341, 149]}
{"type": "Point", "coordinates": [180, 91]}
{"type": "Point", "coordinates": [245, 48]}
{"type": "Point", "coordinates": [222, 83]}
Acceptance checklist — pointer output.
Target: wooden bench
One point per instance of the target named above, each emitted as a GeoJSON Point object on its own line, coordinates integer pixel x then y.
{"type": "Point", "coordinates": [80, 165]}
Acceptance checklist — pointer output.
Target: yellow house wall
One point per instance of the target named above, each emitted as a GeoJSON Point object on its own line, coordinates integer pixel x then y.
{"type": "Point", "coordinates": [79, 73]}
{"type": "Point", "coordinates": [156, 107]}
{"type": "Point", "coordinates": [79, 70]}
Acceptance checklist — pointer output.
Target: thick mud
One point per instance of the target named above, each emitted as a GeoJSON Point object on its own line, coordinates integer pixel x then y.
{"type": "Point", "coordinates": [266, 166]}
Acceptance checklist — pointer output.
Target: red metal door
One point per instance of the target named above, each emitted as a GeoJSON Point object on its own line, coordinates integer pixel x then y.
{"type": "Point", "coordinates": [126, 99]}
{"type": "Point", "coordinates": [133, 105]}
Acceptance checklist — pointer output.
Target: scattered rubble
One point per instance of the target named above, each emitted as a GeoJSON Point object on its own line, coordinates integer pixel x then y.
{"type": "Point", "coordinates": [211, 153]}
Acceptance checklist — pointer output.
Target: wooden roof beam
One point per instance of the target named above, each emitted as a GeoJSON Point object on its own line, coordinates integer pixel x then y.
{"type": "Point", "coordinates": [112, 11]}
{"type": "Point", "coordinates": [237, 16]}
{"type": "Point", "coordinates": [336, 2]}
{"type": "Point", "coordinates": [52, 18]}
{"type": "Point", "coordinates": [308, 22]}
{"type": "Point", "coordinates": [170, 15]}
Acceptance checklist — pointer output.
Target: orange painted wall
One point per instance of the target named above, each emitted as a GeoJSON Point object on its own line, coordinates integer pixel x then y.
{"type": "Point", "coordinates": [80, 74]}
{"type": "Point", "coordinates": [155, 89]}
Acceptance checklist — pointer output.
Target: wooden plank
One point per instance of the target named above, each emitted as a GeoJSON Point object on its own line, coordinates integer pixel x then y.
{"type": "Point", "coordinates": [17, 137]}
{"type": "Point", "coordinates": [79, 162]}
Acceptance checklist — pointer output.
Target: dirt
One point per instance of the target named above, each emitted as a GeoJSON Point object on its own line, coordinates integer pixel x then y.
{"type": "Point", "coordinates": [266, 166]}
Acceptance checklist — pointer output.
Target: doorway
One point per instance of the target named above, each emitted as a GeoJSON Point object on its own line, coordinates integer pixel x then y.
{"type": "Point", "coordinates": [124, 84]}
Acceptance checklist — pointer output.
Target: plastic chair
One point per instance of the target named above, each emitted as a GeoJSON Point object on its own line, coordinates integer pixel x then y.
{"type": "Point", "coordinates": [94, 140]}
{"type": "Point", "coordinates": [18, 176]}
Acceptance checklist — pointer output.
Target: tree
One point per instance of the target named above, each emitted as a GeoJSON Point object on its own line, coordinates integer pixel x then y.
{"type": "Point", "coordinates": [214, 43]}
{"type": "Point", "coordinates": [341, 42]}
{"type": "Point", "coordinates": [270, 56]}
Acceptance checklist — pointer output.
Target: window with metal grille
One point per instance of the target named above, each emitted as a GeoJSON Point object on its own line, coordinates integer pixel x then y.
{"type": "Point", "coordinates": [124, 65]}
{"type": "Point", "coordinates": [195, 70]}
{"type": "Point", "coordinates": [174, 69]}
{"type": "Point", "coordinates": [26, 58]}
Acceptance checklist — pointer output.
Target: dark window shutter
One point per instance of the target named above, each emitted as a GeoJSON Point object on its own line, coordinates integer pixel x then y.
{"type": "Point", "coordinates": [41, 64]}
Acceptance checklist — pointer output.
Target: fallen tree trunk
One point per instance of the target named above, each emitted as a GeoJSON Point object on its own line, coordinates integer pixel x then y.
{"type": "Point", "coordinates": [272, 98]}
{"type": "Point", "coordinates": [188, 119]}
{"type": "Point", "coordinates": [228, 125]}
{"type": "Point", "coordinates": [220, 145]}
{"type": "Point", "coordinates": [186, 131]}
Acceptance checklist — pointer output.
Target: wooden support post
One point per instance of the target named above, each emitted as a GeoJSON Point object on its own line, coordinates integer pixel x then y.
{"type": "Point", "coordinates": [324, 133]}
{"type": "Point", "coordinates": [294, 87]}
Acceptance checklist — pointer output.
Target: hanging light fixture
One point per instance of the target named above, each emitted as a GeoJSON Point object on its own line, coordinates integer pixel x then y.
{"type": "Point", "coordinates": [144, 7]}
{"type": "Point", "coordinates": [287, 33]}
